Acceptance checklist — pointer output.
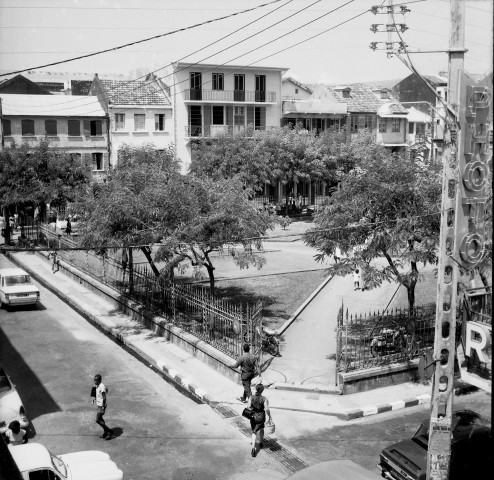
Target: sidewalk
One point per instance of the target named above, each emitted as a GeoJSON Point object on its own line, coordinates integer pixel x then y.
{"type": "Point", "coordinates": [206, 384]}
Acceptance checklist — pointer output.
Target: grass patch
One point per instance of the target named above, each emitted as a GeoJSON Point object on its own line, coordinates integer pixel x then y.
{"type": "Point", "coordinates": [280, 295]}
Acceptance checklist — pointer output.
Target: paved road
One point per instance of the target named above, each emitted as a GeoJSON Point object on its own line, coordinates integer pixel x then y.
{"type": "Point", "coordinates": [362, 440]}
{"type": "Point", "coordinates": [52, 354]}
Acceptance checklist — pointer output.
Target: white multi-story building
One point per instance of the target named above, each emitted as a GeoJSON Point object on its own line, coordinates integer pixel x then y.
{"type": "Point", "coordinates": [209, 100]}
{"type": "Point", "coordinates": [139, 111]}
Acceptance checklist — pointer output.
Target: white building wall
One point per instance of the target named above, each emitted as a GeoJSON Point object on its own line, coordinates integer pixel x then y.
{"type": "Point", "coordinates": [180, 89]}
{"type": "Point", "coordinates": [131, 136]}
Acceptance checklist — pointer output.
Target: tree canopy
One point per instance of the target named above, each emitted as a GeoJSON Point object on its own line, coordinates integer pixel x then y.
{"type": "Point", "coordinates": [39, 175]}
{"type": "Point", "coordinates": [147, 202]}
{"type": "Point", "coordinates": [386, 206]}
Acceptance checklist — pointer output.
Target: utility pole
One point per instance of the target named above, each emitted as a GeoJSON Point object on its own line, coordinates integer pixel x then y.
{"type": "Point", "coordinates": [440, 431]}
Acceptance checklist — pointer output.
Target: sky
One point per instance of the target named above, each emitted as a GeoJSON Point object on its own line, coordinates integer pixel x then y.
{"type": "Point", "coordinates": [334, 49]}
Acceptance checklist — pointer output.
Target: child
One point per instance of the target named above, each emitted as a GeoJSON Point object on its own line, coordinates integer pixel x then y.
{"type": "Point", "coordinates": [356, 280]}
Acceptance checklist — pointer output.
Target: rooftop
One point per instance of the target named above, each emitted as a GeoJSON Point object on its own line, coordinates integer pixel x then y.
{"type": "Point", "coordinates": [134, 92]}
{"type": "Point", "coordinates": [51, 105]}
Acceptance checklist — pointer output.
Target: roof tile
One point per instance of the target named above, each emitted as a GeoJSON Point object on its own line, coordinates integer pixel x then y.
{"type": "Point", "coordinates": [134, 93]}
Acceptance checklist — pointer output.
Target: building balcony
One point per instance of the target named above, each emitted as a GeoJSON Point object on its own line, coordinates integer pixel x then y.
{"type": "Point", "coordinates": [212, 131]}
{"type": "Point", "coordinates": [233, 96]}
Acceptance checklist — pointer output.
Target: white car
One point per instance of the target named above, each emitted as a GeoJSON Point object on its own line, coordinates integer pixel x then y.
{"type": "Point", "coordinates": [35, 461]}
{"type": "Point", "coordinates": [16, 288]}
{"type": "Point", "coordinates": [11, 407]}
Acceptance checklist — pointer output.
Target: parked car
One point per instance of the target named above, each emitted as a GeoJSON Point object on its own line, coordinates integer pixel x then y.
{"type": "Point", "coordinates": [471, 451]}
{"type": "Point", "coordinates": [16, 288]}
{"type": "Point", "coordinates": [11, 407]}
{"type": "Point", "coordinates": [35, 461]}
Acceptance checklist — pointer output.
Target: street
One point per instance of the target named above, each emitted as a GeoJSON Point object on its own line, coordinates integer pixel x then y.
{"type": "Point", "coordinates": [52, 354]}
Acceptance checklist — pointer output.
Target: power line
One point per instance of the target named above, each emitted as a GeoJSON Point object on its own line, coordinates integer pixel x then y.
{"type": "Point", "coordinates": [143, 40]}
{"type": "Point", "coordinates": [95, 101]}
{"type": "Point", "coordinates": [254, 49]}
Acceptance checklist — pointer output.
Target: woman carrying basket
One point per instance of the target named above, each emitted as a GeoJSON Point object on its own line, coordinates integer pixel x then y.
{"type": "Point", "coordinates": [260, 407]}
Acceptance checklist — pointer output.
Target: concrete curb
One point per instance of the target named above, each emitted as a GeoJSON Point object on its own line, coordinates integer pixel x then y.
{"type": "Point", "coordinates": [306, 388]}
{"type": "Point", "coordinates": [425, 398]}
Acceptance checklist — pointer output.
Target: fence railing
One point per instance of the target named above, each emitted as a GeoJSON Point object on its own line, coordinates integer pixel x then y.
{"type": "Point", "coordinates": [381, 338]}
{"type": "Point", "coordinates": [221, 324]}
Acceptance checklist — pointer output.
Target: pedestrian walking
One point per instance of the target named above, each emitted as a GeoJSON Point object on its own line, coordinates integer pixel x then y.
{"type": "Point", "coordinates": [260, 408]}
{"type": "Point", "coordinates": [68, 228]}
{"type": "Point", "coordinates": [247, 363]}
{"type": "Point", "coordinates": [99, 396]}
{"type": "Point", "coordinates": [15, 435]}
{"type": "Point", "coordinates": [356, 279]}
{"type": "Point", "coordinates": [55, 266]}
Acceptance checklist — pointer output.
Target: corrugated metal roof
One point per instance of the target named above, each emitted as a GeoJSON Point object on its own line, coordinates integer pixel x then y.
{"type": "Point", "coordinates": [415, 115]}
{"type": "Point", "coordinates": [392, 110]}
{"type": "Point", "coordinates": [134, 93]}
{"type": "Point", "coordinates": [362, 98]}
{"type": "Point", "coordinates": [317, 107]}
{"type": "Point", "coordinates": [51, 106]}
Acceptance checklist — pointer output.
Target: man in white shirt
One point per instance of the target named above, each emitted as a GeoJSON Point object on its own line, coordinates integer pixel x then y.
{"type": "Point", "coordinates": [15, 435]}
{"type": "Point", "coordinates": [100, 398]}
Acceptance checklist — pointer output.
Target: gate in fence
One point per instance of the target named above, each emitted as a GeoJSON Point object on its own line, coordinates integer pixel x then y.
{"type": "Point", "coordinates": [381, 338]}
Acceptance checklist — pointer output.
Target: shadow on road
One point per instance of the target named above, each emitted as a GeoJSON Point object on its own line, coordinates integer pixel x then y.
{"type": "Point", "coordinates": [34, 396]}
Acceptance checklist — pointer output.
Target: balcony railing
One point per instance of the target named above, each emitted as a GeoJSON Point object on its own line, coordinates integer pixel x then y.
{"type": "Point", "coordinates": [215, 130]}
{"type": "Point", "coordinates": [230, 96]}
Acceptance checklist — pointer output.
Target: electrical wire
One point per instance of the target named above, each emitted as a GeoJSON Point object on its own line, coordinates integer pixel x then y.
{"type": "Point", "coordinates": [143, 40]}
{"type": "Point", "coordinates": [239, 56]}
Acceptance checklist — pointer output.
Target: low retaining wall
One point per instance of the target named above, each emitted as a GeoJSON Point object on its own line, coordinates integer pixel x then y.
{"type": "Point", "coordinates": [377, 377]}
{"type": "Point", "coordinates": [159, 325]}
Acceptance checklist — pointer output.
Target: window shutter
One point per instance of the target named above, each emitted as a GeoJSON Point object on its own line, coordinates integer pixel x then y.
{"type": "Point", "coordinates": [263, 117]}
{"type": "Point", "coordinates": [51, 128]}
{"type": "Point", "coordinates": [207, 118]}
{"type": "Point", "coordinates": [229, 115]}
{"type": "Point", "coordinates": [87, 128]}
{"type": "Point", "coordinates": [7, 132]}
{"type": "Point", "coordinates": [250, 115]}
{"type": "Point", "coordinates": [105, 161]}
{"type": "Point", "coordinates": [99, 128]}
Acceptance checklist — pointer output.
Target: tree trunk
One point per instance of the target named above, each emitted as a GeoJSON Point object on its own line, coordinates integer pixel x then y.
{"type": "Point", "coordinates": [147, 254]}
{"type": "Point", "coordinates": [210, 270]}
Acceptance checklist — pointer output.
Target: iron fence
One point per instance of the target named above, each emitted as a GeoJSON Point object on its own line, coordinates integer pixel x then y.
{"type": "Point", "coordinates": [219, 323]}
{"type": "Point", "coordinates": [380, 338]}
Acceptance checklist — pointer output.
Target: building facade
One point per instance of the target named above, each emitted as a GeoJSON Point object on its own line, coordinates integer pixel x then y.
{"type": "Point", "coordinates": [210, 100]}
{"type": "Point", "coordinates": [75, 124]}
{"type": "Point", "coordinates": [140, 113]}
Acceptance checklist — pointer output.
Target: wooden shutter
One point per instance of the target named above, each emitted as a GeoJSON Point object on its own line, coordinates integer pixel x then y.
{"type": "Point", "coordinates": [105, 161]}
{"type": "Point", "coordinates": [207, 119]}
{"type": "Point", "coordinates": [250, 115]}
{"type": "Point", "coordinates": [229, 115]}
{"type": "Point", "coordinates": [263, 117]}
{"type": "Point", "coordinates": [87, 128]}
{"type": "Point", "coordinates": [99, 128]}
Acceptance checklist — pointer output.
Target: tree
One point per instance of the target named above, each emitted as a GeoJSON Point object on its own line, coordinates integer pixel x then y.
{"type": "Point", "coordinates": [39, 175]}
{"type": "Point", "coordinates": [387, 207]}
{"type": "Point", "coordinates": [231, 156]}
{"type": "Point", "coordinates": [147, 202]}
{"type": "Point", "coordinates": [143, 197]}
{"type": "Point", "coordinates": [225, 217]}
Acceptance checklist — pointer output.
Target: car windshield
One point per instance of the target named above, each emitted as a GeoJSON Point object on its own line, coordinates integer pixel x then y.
{"type": "Point", "coordinates": [4, 381]}
{"type": "Point", "coordinates": [59, 466]}
{"type": "Point", "coordinates": [421, 438]}
{"type": "Point", "coordinates": [17, 280]}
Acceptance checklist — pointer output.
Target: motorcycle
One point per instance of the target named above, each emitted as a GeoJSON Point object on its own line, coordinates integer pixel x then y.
{"type": "Point", "coordinates": [388, 341]}
{"type": "Point", "coordinates": [269, 341]}
{"type": "Point", "coordinates": [396, 340]}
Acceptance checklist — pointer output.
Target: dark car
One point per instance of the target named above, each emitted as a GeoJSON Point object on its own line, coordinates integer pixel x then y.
{"type": "Point", "coordinates": [471, 451]}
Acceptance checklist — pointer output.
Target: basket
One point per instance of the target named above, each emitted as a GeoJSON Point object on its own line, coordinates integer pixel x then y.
{"type": "Point", "coordinates": [269, 428]}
